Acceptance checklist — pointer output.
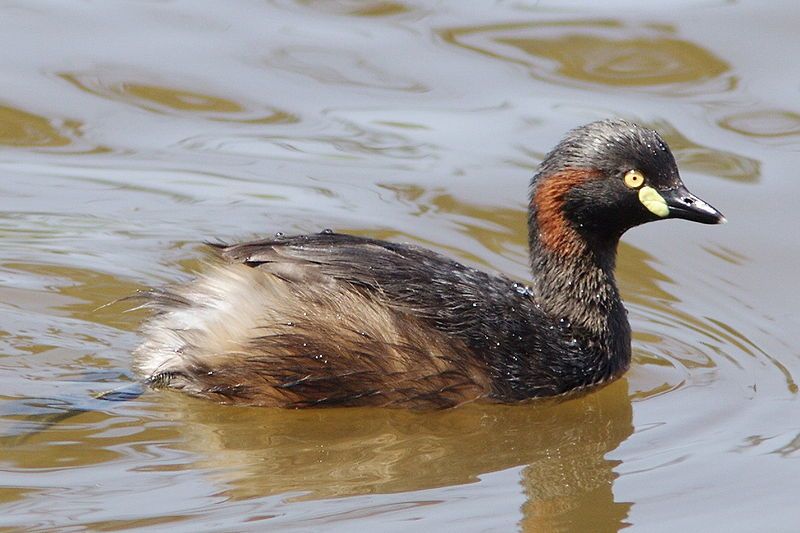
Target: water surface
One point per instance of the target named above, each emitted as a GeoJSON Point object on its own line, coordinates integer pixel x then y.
{"type": "Point", "coordinates": [130, 132]}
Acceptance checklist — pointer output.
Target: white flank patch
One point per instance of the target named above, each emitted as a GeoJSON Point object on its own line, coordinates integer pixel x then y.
{"type": "Point", "coordinates": [226, 305]}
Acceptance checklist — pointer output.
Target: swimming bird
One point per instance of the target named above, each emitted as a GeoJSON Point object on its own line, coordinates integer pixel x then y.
{"type": "Point", "coordinates": [331, 319]}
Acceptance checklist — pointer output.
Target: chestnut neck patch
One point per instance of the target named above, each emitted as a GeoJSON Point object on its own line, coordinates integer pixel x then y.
{"type": "Point", "coordinates": [555, 233]}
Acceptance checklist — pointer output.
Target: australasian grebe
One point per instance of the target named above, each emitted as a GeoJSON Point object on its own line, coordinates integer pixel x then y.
{"type": "Point", "coordinates": [336, 320]}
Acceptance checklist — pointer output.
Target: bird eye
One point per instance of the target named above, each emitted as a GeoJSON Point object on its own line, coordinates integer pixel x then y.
{"type": "Point", "coordinates": [634, 179]}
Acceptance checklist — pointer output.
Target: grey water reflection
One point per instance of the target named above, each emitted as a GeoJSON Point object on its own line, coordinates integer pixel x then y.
{"type": "Point", "coordinates": [340, 68]}
{"type": "Point", "coordinates": [769, 123]}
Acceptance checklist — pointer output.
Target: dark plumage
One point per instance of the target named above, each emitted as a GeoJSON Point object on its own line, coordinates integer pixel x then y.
{"type": "Point", "coordinates": [332, 320]}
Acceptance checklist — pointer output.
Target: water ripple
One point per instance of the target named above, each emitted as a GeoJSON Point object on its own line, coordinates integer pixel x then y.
{"type": "Point", "coordinates": [146, 91]}
{"type": "Point", "coordinates": [602, 53]}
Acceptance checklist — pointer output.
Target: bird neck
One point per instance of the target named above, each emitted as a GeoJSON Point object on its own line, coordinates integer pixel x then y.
{"type": "Point", "coordinates": [574, 287]}
{"type": "Point", "coordinates": [580, 288]}
{"type": "Point", "coordinates": [573, 270]}
{"type": "Point", "coordinates": [579, 292]}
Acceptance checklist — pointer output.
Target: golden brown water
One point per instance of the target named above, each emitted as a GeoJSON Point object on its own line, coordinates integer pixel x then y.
{"type": "Point", "coordinates": [131, 131]}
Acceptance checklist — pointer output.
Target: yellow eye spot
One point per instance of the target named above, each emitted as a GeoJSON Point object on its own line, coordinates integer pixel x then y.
{"type": "Point", "coordinates": [634, 179]}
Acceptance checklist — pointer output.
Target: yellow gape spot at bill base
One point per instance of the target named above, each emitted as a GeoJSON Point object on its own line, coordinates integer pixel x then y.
{"type": "Point", "coordinates": [653, 201]}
